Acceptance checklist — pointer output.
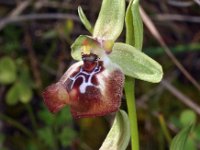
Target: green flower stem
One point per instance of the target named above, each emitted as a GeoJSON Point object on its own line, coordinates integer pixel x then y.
{"type": "Point", "coordinates": [16, 124]}
{"type": "Point", "coordinates": [130, 98]}
{"type": "Point", "coordinates": [164, 128]}
{"type": "Point", "coordinates": [32, 116]}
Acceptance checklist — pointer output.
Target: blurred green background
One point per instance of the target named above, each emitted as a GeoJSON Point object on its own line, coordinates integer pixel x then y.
{"type": "Point", "coordinates": [35, 39]}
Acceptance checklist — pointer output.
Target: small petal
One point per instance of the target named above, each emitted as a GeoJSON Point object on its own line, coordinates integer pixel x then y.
{"type": "Point", "coordinates": [100, 100]}
{"type": "Point", "coordinates": [86, 45]}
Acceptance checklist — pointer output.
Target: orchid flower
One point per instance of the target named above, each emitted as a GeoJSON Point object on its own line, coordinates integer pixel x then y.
{"type": "Point", "coordinates": [93, 85]}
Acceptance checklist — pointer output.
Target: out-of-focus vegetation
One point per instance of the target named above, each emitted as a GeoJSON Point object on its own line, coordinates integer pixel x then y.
{"type": "Point", "coordinates": [35, 39]}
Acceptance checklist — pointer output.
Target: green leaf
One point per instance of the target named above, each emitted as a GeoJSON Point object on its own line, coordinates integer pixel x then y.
{"type": "Point", "coordinates": [46, 116]}
{"type": "Point", "coordinates": [24, 75]}
{"type": "Point", "coordinates": [66, 136]}
{"type": "Point", "coordinates": [135, 63]}
{"type": "Point", "coordinates": [197, 132]}
{"type": "Point", "coordinates": [11, 46]}
{"type": "Point", "coordinates": [110, 21]}
{"type": "Point", "coordinates": [19, 91]}
{"type": "Point", "coordinates": [188, 117]}
{"type": "Point", "coordinates": [47, 136]}
{"type": "Point", "coordinates": [134, 26]}
{"type": "Point", "coordinates": [32, 145]}
{"type": "Point", "coordinates": [25, 93]}
{"type": "Point", "coordinates": [2, 138]}
{"type": "Point", "coordinates": [119, 135]}
{"type": "Point", "coordinates": [77, 46]}
{"type": "Point", "coordinates": [190, 144]}
{"type": "Point", "coordinates": [7, 70]}
{"type": "Point", "coordinates": [179, 141]}
{"type": "Point", "coordinates": [12, 95]}
{"type": "Point", "coordinates": [63, 117]}
{"type": "Point", "coordinates": [84, 20]}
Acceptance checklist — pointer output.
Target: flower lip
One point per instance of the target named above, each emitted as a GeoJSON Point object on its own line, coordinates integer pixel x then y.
{"type": "Point", "coordinates": [92, 87]}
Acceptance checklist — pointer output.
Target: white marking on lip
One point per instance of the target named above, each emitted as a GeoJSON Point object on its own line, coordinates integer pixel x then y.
{"type": "Point", "coordinates": [82, 74]}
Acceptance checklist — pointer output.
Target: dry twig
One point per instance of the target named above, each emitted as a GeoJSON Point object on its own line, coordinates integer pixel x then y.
{"type": "Point", "coordinates": [180, 3]}
{"type": "Point", "coordinates": [158, 37]}
{"type": "Point", "coordinates": [20, 8]}
{"type": "Point", "coordinates": [166, 84]}
{"type": "Point", "coordinates": [177, 17]}
{"type": "Point", "coordinates": [197, 1]}
{"type": "Point", "coordinates": [15, 12]}
{"type": "Point", "coordinates": [33, 61]}
{"type": "Point", "coordinates": [158, 89]}
{"type": "Point", "coordinates": [183, 98]}
{"type": "Point", "coordinates": [53, 4]}
{"type": "Point", "coordinates": [29, 17]}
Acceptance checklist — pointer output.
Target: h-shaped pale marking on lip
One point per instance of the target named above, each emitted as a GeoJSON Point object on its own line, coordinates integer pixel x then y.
{"type": "Point", "coordinates": [85, 83]}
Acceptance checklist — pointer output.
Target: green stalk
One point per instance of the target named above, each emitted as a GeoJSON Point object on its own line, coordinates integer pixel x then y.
{"type": "Point", "coordinates": [32, 116]}
{"type": "Point", "coordinates": [130, 98]}
{"type": "Point", "coordinates": [134, 37]}
{"type": "Point", "coordinates": [16, 124]}
{"type": "Point", "coordinates": [164, 128]}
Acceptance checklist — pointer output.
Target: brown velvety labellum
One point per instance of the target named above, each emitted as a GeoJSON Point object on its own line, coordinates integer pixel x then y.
{"type": "Point", "coordinates": [95, 102]}
{"type": "Point", "coordinates": [91, 88]}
